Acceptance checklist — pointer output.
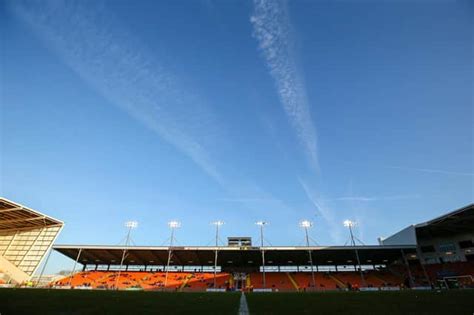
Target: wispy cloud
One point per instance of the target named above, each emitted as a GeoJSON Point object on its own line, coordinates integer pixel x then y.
{"type": "Point", "coordinates": [255, 198]}
{"type": "Point", "coordinates": [272, 29]}
{"type": "Point", "coordinates": [323, 209]}
{"type": "Point", "coordinates": [249, 199]}
{"type": "Point", "coordinates": [379, 198]}
{"type": "Point", "coordinates": [430, 170]}
{"type": "Point", "coordinates": [113, 62]}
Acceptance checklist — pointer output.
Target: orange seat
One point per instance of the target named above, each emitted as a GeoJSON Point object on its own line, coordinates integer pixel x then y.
{"type": "Point", "coordinates": [144, 280]}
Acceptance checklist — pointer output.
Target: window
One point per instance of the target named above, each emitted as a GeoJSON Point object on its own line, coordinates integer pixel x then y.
{"type": "Point", "coordinates": [448, 247]}
{"type": "Point", "coordinates": [427, 249]}
{"type": "Point", "coordinates": [451, 258]}
{"type": "Point", "coordinates": [466, 244]}
{"type": "Point", "coordinates": [431, 260]}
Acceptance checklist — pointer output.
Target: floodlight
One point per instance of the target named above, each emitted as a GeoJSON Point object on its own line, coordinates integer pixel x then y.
{"type": "Point", "coordinates": [262, 224]}
{"type": "Point", "coordinates": [349, 223]}
{"type": "Point", "coordinates": [131, 224]}
{"type": "Point", "coordinates": [174, 224]}
{"type": "Point", "coordinates": [306, 224]}
{"type": "Point", "coordinates": [218, 223]}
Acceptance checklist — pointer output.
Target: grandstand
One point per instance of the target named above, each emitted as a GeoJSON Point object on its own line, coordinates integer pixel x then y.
{"type": "Point", "coordinates": [106, 276]}
{"type": "Point", "coordinates": [399, 261]}
{"type": "Point", "coordinates": [286, 268]}
{"type": "Point", "coordinates": [26, 235]}
{"type": "Point", "coordinates": [444, 245]}
{"type": "Point", "coordinates": [435, 253]}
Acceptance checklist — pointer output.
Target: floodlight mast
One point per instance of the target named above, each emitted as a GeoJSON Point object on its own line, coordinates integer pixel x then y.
{"type": "Point", "coordinates": [217, 223]}
{"type": "Point", "coordinates": [350, 224]}
{"type": "Point", "coordinates": [73, 268]}
{"type": "Point", "coordinates": [130, 225]}
{"type": "Point", "coordinates": [173, 225]}
{"type": "Point", "coordinates": [262, 224]}
{"type": "Point", "coordinates": [306, 224]}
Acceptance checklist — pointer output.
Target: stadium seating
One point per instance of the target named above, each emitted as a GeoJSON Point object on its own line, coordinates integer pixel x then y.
{"type": "Point", "coordinates": [323, 281]}
{"type": "Point", "coordinates": [274, 280]}
{"type": "Point", "coordinates": [349, 279]}
{"type": "Point", "coordinates": [387, 278]}
{"type": "Point", "coordinates": [302, 281]}
{"type": "Point", "coordinates": [206, 280]}
{"type": "Point", "coordinates": [143, 280]}
{"type": "Point", "coordinates": [440, 271]}
{"type": "Point", "coordinates": [3, 277]}
{"type": "Point", "coordinates": [450, 269]}
{"type": "Point", "coordinates": [345, 280]}
{"type": "Point", "coordinates": [277, 281]}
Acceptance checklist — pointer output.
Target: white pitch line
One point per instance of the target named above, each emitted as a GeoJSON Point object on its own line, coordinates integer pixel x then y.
{"type": "Point", "coordinates": [243, 308]}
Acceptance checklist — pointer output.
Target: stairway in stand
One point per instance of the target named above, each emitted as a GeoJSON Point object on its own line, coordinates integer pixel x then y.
{"type": "Point", "coordinates": [338, 281]}
{"type": "Point", "coordinates": [297, 288]}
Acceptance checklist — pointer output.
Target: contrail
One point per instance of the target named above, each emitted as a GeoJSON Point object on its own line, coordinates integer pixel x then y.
{"type": "Point", "coordinates": [114, 63]}
{"type": "Point", "coordinates": [375, 198]}
{"type": "Point", "coordinates": [322, 209]}
{"type": "Point", "coordinates": [429, 170]}
{"type": "Point", "coordinates": [271, 28]}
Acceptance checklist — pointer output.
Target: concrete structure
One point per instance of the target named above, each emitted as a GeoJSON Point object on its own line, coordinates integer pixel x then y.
{"type": "Point", "coordinates": [26, 236]}
{"type": "Point", "coordinates": [448, 238]}
{"type": "Point", "coordinates": [233, 258]}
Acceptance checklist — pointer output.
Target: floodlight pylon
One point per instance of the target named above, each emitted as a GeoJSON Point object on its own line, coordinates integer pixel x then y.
{"type": "Point", "coordinates": [351, 224]}
{"type": "Point", "coordinates": [218, 224]}
{"type": "Point", "coordinates": [173, 225]}
{"type": "Point", "coordinates": [129, 225]}
{"type": "Point", "coordinates": [306, 224]}
{"type": "Point", "coordinates": [261, 224]}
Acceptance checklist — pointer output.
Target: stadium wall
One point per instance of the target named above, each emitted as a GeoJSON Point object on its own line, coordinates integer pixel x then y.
{"type": "Point", "coordinates": [25, 237]}
{"type": "Point", "coordinates": [407, 236]}
{"type": "Point", "coordinates": [447, 249]}
{"type": "Point", "coordinates": [25, 249]}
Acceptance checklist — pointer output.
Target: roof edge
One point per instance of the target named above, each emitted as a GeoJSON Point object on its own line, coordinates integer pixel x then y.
{"type": "Point", "coordinates": [57, 221]}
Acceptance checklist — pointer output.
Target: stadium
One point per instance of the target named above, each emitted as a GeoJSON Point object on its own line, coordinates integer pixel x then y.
{"type": "Point", "coordinates": [431, 262]}
{"type": "Point", "coordinates": [236, 157]}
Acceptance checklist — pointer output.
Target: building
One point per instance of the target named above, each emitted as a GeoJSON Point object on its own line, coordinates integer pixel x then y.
{"type": "Point", "coordinates": [448, 238]}
{"type": "Point", "coordinates": [420, 255]}
{"type": "Point", "coordinates": [399, 259]}
{"type": "Point", "coordinates": [26, 235]}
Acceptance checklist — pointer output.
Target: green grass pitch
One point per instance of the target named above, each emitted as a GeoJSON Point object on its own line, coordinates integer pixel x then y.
{"type": "Point", "coordinates": [76, 302]}
{"type": "Point", "coordinates": [385, 303]}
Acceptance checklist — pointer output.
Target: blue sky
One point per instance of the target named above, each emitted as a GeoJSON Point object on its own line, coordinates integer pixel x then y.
{"type": "Point", "coordinates": [239, 111]}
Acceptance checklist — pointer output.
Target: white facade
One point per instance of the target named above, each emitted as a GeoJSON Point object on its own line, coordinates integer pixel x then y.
{"type": "Point", "coordinates": [25, 238]}
{"type": "Point", "coordinates": [407, 236]}
{"type": "Point", "coordinates": [448, 238]}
